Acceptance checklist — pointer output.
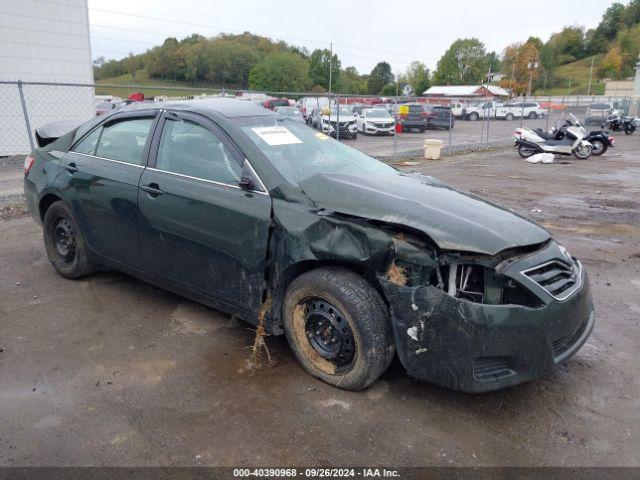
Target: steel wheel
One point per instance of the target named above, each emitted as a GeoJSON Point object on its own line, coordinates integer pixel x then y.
{"type": "Point", "coordinates": [64, 240]}
{"type": "Point", "coordinates": [327, 331]}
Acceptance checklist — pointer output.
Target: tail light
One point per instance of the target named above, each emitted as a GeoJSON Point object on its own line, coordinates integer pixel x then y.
{"type": "Point", "coordinates": [612, 139]}
{"type": "Point", "coordinates": [28, 163]}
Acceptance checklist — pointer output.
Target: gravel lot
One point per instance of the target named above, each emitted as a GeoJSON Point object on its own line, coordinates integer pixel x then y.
{"type": "Point", "coordinates": [112, 371]}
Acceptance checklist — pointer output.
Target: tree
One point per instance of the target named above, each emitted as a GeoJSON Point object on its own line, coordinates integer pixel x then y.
{"type": "Point", "coordinates": [380, 76]}
{"type": "Point", "coordinates": [465, 62]}
{"type": "Point", "coordinates": [417, 75]}
{"type": "Point", "coordinates": [351, 82]}
{"type": "Point", "coordinates": [280, 72]}
{"type": "Point", "coordinates": [611, 65]}
{"type": "Point", "coordinates": [319, 63]}
{"type": "Point", "coordinates": [516, 63]}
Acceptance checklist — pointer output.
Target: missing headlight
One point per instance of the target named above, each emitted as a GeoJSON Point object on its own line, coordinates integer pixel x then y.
{"type": "Point", "coordinates": [471, 282]}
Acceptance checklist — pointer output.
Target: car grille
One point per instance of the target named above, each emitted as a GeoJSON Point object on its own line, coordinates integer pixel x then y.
{"type": "Point", "coordinates": [558, 279]}
{"type": "Point", "coordinates": [564, 343]}
{"type": "Point", "coordinates": [342, 124]}
{"type": "Point", "coordinates": [486, 369]}
{"type": "Point", "coordinates": [381, 125]}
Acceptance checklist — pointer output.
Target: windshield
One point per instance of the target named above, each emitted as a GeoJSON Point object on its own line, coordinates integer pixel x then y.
{"type": "Point", "coordinates": [377, 112]}
{"type": "Point", "coordinates": [299, 152]}
{"type": "Point", "coordinates": [343, 111]}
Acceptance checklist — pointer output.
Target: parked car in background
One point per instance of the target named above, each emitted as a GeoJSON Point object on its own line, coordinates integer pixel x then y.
{"type": "Point", "coordinates": [504, 111]}
{"type": "Point", "coordinates": [457, 109]}
{"type": "Point", "coordinates": [338, 122]}
{"type": "Point", "coordinates": [358, 108]}
{"type": "Point", "coordinates": [292, 113]}
{"type": "Point", "coordinates": [315, 117]}
{"type": "Point", "coordinates": [375, 121]}
{"type": "Point", "coordinates": [272, 103]}
{"type": "Point", "coordinates": [438, 116]}
{"type": "Point", "coordinates": [308, 104]}
{"type": "Point", "coordinates": [597, 113]}
{"type": "Point", "coordinates": [528, 109]}
{"type": "Point", "coordinates": [411, 116]}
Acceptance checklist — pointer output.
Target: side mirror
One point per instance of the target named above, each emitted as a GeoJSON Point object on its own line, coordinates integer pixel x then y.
{"type": "Point", "coordinates": [247, 183]}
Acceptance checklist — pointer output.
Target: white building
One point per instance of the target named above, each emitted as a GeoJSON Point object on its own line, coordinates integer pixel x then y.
{"type": "Point", "coordinates": [43, 42]}
{"type": "Point", "coordinates": [466, 91]}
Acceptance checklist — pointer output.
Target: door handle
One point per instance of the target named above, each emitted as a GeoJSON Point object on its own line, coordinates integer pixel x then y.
{"type": "Point", "coordinates": [70, 167]}
{"type": "Point", "coordinates": [152, 189]}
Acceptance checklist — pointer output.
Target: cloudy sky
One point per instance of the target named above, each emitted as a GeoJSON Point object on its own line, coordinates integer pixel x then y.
{"type": "Point", "coordinates": [362, 32]}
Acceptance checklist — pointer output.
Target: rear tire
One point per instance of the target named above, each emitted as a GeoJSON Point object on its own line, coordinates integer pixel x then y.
{"type": "Point", "coordinates": [509, 117]}
{"type": "Point", "coordinates": [629, 130]}
{"type": "Point", "coordinates": [65, 244]}
{"type": "Point", "coordinates": [353, 345]}
{"type": "Point", "coordinates": [533, 115]}
{"type": "Point", "coordinates": [525, 152]}
{"type": "Point", "coordinates": [599, 147]}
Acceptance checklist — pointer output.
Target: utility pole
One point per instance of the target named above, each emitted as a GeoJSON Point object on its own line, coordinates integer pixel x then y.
{"type": "Point", "coordinates": [590, 75]}
{"type": "Point", "coordinates": [513, 72]}
{"type": "Point", "coordinates": [533, 64]}
{"type": "Point", "coordinates": [330, 65]}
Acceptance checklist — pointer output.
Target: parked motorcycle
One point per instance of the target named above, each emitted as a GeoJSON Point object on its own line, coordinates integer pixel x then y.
{"type": "Point", "coordinates": [530, 142]}
{"type": "Point", "coordinates": [616, 123]}
{"type": "Point", "coordinates": [599, 139]}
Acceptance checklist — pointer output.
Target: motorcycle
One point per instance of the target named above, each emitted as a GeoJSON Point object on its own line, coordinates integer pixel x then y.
{"type": "Point", "coordinates": [616, 123]}
{"type": "Point", "coordinates": [529, 142]}
{"type": "Point", "coordinates": [599, 139]}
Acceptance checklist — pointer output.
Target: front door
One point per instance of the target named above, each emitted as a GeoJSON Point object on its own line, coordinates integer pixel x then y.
{"type": "Point", "coordinates": [198, 228]}
{"type": "Point", "coordinates": [101, 175]}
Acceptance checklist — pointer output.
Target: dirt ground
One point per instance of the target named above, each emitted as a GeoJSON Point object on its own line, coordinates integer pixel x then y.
{"type": "Point", "coordinates": [112, 371]}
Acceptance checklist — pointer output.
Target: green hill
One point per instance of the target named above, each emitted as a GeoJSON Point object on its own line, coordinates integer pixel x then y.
{"type": "Point", "coordinates": [573, 78]}
{"type": "Point", "coordinates": [142, 78]}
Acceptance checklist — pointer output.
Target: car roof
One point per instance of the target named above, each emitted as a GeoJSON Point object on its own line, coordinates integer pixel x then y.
{"type": "Point", "coordinates": [227, 107]}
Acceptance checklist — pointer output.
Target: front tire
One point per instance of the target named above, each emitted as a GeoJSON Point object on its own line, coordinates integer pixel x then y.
{"type": "Point", "coordinates": [533, 115]}
{"type": "Point", "coordinates": [629, 130]}
{"type": "Point", "coordinates": [509, 117]}
{"type": "Point", "coordinates": [338, 327]}
{"type": "Point", "coordinates": [473, 116]}
{"type": "Point", "coordinates": [65, 244]}
{"type": "Point", "coordinates": [583, 152]}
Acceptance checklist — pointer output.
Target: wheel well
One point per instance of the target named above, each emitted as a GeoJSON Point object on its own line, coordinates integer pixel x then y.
{"type": "Point", "coordinates": [46, 202]}
{"type": "Point", "coordinates": [294, 271]}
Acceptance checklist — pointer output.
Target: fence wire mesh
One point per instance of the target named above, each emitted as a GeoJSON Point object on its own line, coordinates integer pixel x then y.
{"type": "Point", "coordinates": [384, 127]}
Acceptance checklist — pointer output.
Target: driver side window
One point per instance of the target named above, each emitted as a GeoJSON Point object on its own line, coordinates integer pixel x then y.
{"type": "Point", "coordinates": [188, 148]}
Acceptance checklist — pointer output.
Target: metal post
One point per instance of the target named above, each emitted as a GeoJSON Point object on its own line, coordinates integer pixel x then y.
{"type": "Point", "coordinates": [26, 115]}
{"type": "Point", "coordinates": [522, 112]}
{"type": "Point", "coordinates": [450, 122]}
{"type": "Point", "coordinates": [548, 113]}
{"type": "Point", "coordinates": [337, 117]}
{"type": "Point", "coordinates": [395, 130]}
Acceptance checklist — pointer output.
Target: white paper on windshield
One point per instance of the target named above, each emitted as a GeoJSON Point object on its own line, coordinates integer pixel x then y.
{"type": "Point", "coordinates": [276, 135]}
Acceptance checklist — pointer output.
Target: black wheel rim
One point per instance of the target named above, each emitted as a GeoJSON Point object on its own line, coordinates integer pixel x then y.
{"type": "Point", "coordinates": [64, 240]}
{"type": "Point", "coordinates": [597, 146]}
{"type": "Point", "coordinates": [328, 331]}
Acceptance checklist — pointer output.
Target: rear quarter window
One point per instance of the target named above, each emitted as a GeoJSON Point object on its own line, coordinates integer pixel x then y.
{"type": "Point", "coordinates": [125, 140]}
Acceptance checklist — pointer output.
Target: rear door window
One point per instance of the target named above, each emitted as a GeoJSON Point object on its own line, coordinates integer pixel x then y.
{"type": "Point", "coordinates": [188, 148]}
{"type": "Point", "coordinates": [125, 140]}
{"type": "Point", "coordinates": [88, 144]}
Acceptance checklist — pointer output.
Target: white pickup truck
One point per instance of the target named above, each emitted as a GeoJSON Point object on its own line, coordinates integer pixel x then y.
{"type": "Point", "coordinates": [505, 111]}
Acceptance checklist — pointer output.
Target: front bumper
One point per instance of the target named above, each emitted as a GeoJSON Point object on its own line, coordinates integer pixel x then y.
{"type": "Point", "coordinates": [332, 130]}
{"type": "Point", "coordinates": [475, 347]}
{"type": "Point", "coordinates": [373, 129]}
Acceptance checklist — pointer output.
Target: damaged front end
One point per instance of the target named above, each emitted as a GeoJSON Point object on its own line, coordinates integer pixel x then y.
{"type": "Point", "coordinates": [478, 323]}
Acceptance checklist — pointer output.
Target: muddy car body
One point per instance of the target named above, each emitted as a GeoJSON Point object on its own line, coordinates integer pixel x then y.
{"type": "Point", "coordinates": [287, 228]}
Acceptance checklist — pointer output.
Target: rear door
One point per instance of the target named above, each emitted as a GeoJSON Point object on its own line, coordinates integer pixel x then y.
{"type": "Point", "coordinates": [102, 171]}
{"type": "Point", "coordinates": [198, 228]}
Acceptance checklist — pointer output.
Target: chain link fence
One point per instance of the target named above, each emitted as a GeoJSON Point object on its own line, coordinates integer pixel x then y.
{"type": "Point", "coordinates": [391, 127]}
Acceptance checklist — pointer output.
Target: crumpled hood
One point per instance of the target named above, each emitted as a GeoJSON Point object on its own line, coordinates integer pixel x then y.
{"type": "Point", "coordinates": [452, 219]}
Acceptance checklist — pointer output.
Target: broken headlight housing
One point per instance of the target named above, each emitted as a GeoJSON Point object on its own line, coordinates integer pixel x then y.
{"type": "Point", "coordinates": [472, 282]}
